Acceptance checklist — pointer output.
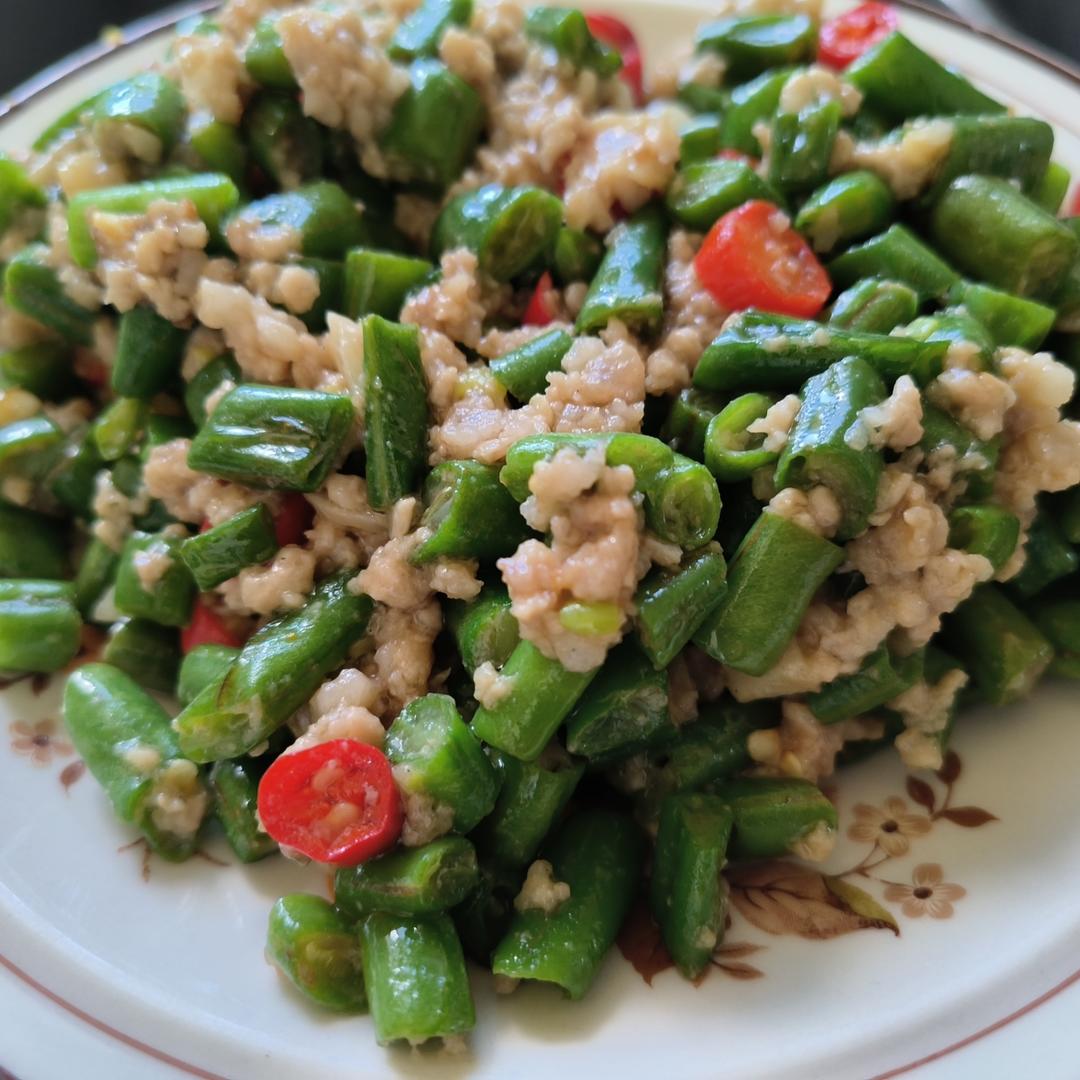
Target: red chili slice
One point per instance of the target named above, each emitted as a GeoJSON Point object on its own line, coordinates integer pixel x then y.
{"type": "Point", "coordinates": [206, 628]}
{"type": "Point", "coordinates": [335, 802]}
{"type": "Point", "coordinates": [752, 257]}
{"type": "Point", "coordinates": [844, 39]}
{"type": "Point", "coordinates": [293, 519]}
{"type": "Point", "coordinates": [613, 31]}
{"type": "Point", "coordinates": [539, 312]}
{"type": "Point", "coordinates": [1074, 206]}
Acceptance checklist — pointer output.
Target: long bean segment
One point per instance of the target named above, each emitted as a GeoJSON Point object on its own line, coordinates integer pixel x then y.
{"type": "Point", "coordinates": [874, 306]}
{"type": "Point", "coordinates": [127, 742]}
{"type": "Point", "coordinates": [990, 531]}
{"type": "Point", "coordinates": [235, 787]}
{"type": "Point", "coordinates": [672, 604]}
{"type": "Point", "coordinates": [417, 881]}
{"type": "Point", "coordinates": [438, 757]}
{"type": "Point", "coordinates": [141, 116]}
{"type": "Point", "coordinates": [205, 665]}
{"type": "Point", "coordinates": [802, 143]}
{"type": "Point", "coordinates": [468, 514]}
{"type": "Point", "coordinates": [776, 817]}
{"type": "Point", "coordinates": [753, 43]}
{"type": "Point", "coordinates": [285, 144]}
{"type": "Point", "coordinates": [623, 710]}
{"type": "Point", "coordinates": [731, 452]}
{"type": "Point", "coordinates": [999, 645]}
{"type": "Point", "coordinates": [152, 582]}
{"type": "Point", "coordinates": [1050, 557]}
{"type": "Point", "coordinates": [849, 207]}
{"type": "Point", "coordinates": [213, 195]}
{"type": "Point", "coordinates": [766, 352]}
{"type": "Point", "coordinates": [704, 192]}
{"type": "Point", "coordinates": [688, 421]}
{"type": "Point", "coordinates": [881, 678]}
{"type": "Point", "coordinates": [147, 651]}
{"type": "Point", "coordinates": [1059, 621]}
{"type": "Point", "coordinates": [32, 288]}
{"type": "Point", "coordinates": [540, 694]}
{"type": "Point", "coordinates": [317, 949]}
{"type": "Point", "coordinates": [687, 893]}
{"type": "Point", "coordinates": [627, 286]}
{"type": "Point", "coordinates": [18, 193]}
{"type": "Point", "coordinates": [148, 353]}
{"type": "Point", "coordinates": [420, 33]}
{"type": "Point", "coordinates": [222, 552]}
{"type": "Point", "coordinates": [598, 855]}
{"type": "Point", "coordinates": [567, 32]}
{"type": "Point", "coordinates": [829, 444]}
{"type": "Point", "coordinates": [899, 255]}
{"type": "Point", "coordinates": [485, 630]}
{"type": "Point", "coordinates": [31, 545]}
{"type": "Point", "coordinates": [417, 984]}
{"type": "Point", "coordinates": [273, 437]}
{"type": "Point", "coordinates": [39, 625]}
{"type": "Point", "coordinates": [751, 104]}
{"type": "Point", "coordinates": [524, 370]}
{"type": "Point", "coordinates": [771, 581]}
{"type": "Point", "coordinates": [377, 282]}
{"type": "Point", "coordinates": [265, 58]}
{"type": "Point", "coordinates": [278, 669]}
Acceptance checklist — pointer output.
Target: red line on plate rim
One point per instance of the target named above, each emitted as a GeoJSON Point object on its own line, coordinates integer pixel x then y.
{"type": "Point", "coordinates": [143, 29]}
{"type": "Point", "coordinates": [107, 1029]}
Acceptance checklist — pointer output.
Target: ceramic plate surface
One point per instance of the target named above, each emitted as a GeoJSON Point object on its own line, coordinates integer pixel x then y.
{"type": "Point", "coordinates": [951, 951]}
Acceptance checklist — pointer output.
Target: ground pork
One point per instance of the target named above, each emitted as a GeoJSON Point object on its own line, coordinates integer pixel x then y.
{"type": "Point", "coordinates": [896, 423]}
{"type": "Point", "coordinates": [978, 399]}
{"type": "Point", "coordinates": [777, 423]}
{"type": "Point", "coordinates": [595, 525]}
{"type": "Point", "coordinates": [819, 85]}
{"type": "Point", "coordinates": [403, 654]}
{"type": "Point", "coordinates": [913, 578]}
{"type": "Point", "coordinates": [907, 164]}
{"type": "Point", "coordinates": [489, 687]}
{"type": "Point", "coordinates": [391, 579]}
{"type": "Point", "coordinates": [471, 57]}
{"type": "Point", "coordinates": [74, 163]}
{"type": "Point", "coordinates": [926, 711]}
{"type": "Point", "coordinates": [817, 510]}
{"type": "Point", "coordinates": [341, 709]}
{"type": "Point", "coordinates": [158, 257]}
{"type": "Point", "coordinates": [541, 891]}
{"type": "Point", "coordinates": [237, 18]}
{"type": "Point", "coordinates": [114, 512]}
{"type": "Point", "coordinates": [425, 819]}
{"type": "Point", "coordinates": [293, 287]}
{"type": "Point", "coordinates": [346, 530]}
{"type": "Point", "coordinates": [346, 80]}
{"type": "Point", "coordinates": [682, 692]}
{"type": "Point", "coordinates": [211, 74]}
{"type": "Point", "coordinates": [623, 160]}
{"type": "Point", "coordinates": [193, 496]}
{"type": "Point", "coordinates": [271, 241]}
{"type": "Point", "coordinates": [283, 584]}
{"type": "Point", "coordinates": [692, 319]}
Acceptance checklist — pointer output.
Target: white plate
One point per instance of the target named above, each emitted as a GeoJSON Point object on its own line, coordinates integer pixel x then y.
{"type": "Point", "coordinates": [105, 974]}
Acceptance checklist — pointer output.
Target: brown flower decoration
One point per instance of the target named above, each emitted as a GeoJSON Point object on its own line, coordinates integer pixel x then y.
{"type": "Point", "coordinates": [891, 827]}
{"type": "Point", "coordinates": [38, 741]}
{"type": "Point", "coordinates": [928, 894]}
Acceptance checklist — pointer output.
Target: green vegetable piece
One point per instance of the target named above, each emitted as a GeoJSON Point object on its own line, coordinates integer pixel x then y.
{"type": "Point", "coordinates": [829, 446]}
{"type": "Point", "coordinates": [598, 854]}
{"type": "Point", "coordinates": [278, 669]}
{"type": "Point", "coordinates": [1066, 507]}
{"type": "Point", "coordinates": [484, 629]}
{"type": "Point", "coordinates": [168, 600]}
{"type": "Point", "coordinates": [437, 755]}
{"type": "Point", "coordinates": [419, 143]}
{"type": "Point", "coordinates": [39, 625]}
{"type": "Point", "coordinates": [802, 144]}
{"type": "Point", "coordinates": [874, 306]}
{"type": "Point", "coordinates": [31, 544]}
{"type": "Point", "coordinates": [567, 32]}
{"type": "Point", "coordinates": [395, 410]}
{"type": "Point", "coordinates": [699, 139]}
{"type": "Point", "coordinates": [774, 352]}
{"type": "Point", "coordinates": [322, 214]}
{"type": "Point", "coordinates": [705, 100]}
{"type": "Point", "coordinates": [419, 34]}
{"type": "Point", "coordinates": [377, 282]}
{"type": "Point", "coordinates": [318, 951]}
{"type": "Point", "coordinates": [672, 604]}
{"type": "Point", "coordinates": [899, 80]}
{"type": "Point", "coordinates": [223, 551]}
{"type": "Point", "coordinates": [128, 744]}
{"type": "Point", "coordinates": [74, 479]}
{"type": "Point", "coordinates": [265, 58]}
{"type": "Point", "coordinates": [849, 207]}
{"type": "Point", "coordinates": [775, 817]}
{"type": "Point", "coordinates": [44, 368]}
{"type": "Point", "coordinates": [273, 437]}
{"type": "Point", "coordinates": [943, 434]}
{"type": "Point", "coordinates": [235, 787]}
{"type": "Point", "coordinates": [687, 892]}
{"type": "Point", "coordinates": [26, 441]}
{"type": "Point", "coordinates": [484, 916]}
{"type": "Point", "coordinates": [1059, 621]}
{"type": "Point", "coordinates": [415, 881]}
{"type": "Point", "coordinates": [148, 101]}
{"type": "Point", "coordinates": [1050, 557]}
{"type": "Point", "coordinates": [205, 382]}
{"type": "Point", "coordinates": [284, 143]}
{"type": "Point", "coordinates": [752, 103]}
{"type": "Point", "coordinates": [955, 327]}
{"type": "Point", "coordinates": [524, 370]}
{"type": "Point", "coordinates": [97, 568]}
{"type": "Point", "coordinates": [623, 710]}
{"type": "Point", "coordinates": [1050, 190]}
{"type": "Point", "coordinates": [704, 192]}
{"type": "Point", "coordinates": [751, 44]}
{"type": "Point", "coordinates": [899, 255]}
{"type": "Point", "coordinates": [688, 421]}
{"type": "Point", "coordinates": [881, 678]}
{"type": "Point", "coordinates": [1067, 296]}
{"type": "Point", "coordinates": [532, 797]}
{"type": "Point", "coordinates": [217, 146]}
{"type": "Point", "coordinates": [119, 428]}
{"type": "Point", "coordinates": [469, 515]}
{"type": "Point", "coordinates": [628, 284]}
{"type": "Point", "coordinates": [18, 193]}
{"type": "Point", "coordinates": [147, 651]}
{"type": "Point", "coordinates": [509, 228]}
{"type": "Point", "coordinates": [771, 581]}
{"type": "Point", "coordinates": [540, 696]}
{"type": "Point", "coordinates": [731, 452]}
{"type": "Point", "coordinates": [990, 531]}
{"type": "Point", "coordinates": [32, 288]}
{"type": "Point", "coordinates": [205, 665]}
{"type": "Point", "coordinates": [148, 353]}
{"type": "Point", "coordinates": [213, 195]}
{"type": "Point", "coordinates": [66, 122]}
{"type": "Point", "coordinates": [990, 230]}
{"type": "Point", "coordinates": [418, 987]}
{"type": "Point", "coordinates": [683, 505]}
{"type": "Point", "coordinates": [577, 255]}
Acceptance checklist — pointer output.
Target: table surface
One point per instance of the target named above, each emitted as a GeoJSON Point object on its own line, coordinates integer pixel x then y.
{"type": "Point", "coordinates": [37, 34]}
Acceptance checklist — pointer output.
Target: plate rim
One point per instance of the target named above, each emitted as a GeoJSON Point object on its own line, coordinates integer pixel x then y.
{"type": "Point", "coordinates": [140, 31]}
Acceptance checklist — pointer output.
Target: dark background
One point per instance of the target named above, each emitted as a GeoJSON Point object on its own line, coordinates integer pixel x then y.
{"type": "Point", "coordinates": [37, 32]}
